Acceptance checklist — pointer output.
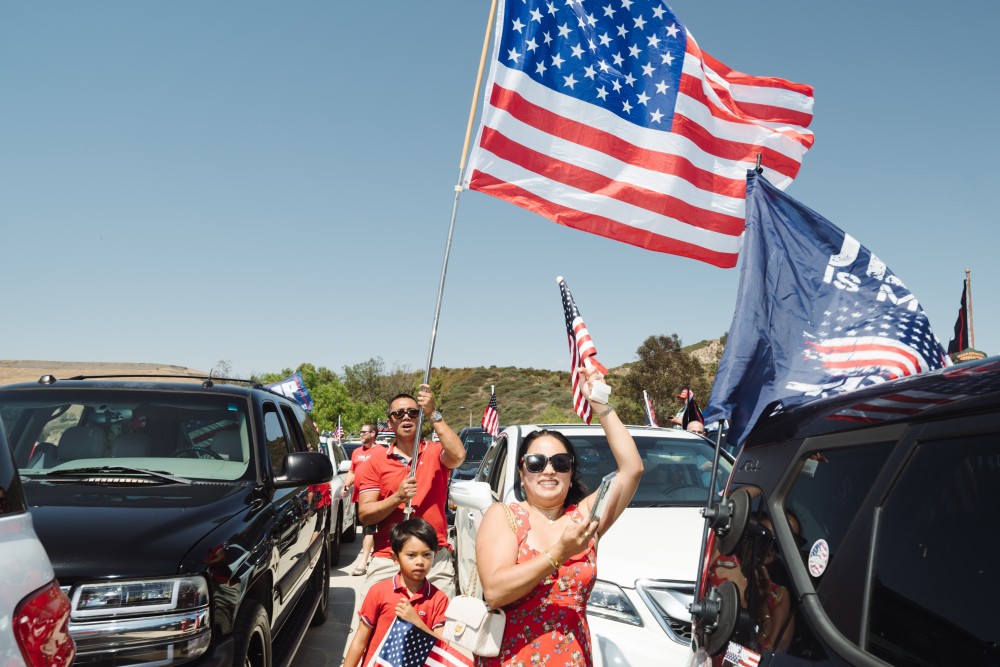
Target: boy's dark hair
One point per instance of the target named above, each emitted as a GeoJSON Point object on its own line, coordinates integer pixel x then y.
{"type": "Point", "coordinates": [417, 528]}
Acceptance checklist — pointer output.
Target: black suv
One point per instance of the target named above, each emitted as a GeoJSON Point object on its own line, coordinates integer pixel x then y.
{"type": "Point", "coordinates": [863, 529]}
{"type": "Point", "coordinates": [188, 522]}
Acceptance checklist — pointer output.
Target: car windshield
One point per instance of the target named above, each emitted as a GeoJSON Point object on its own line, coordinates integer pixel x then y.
{"type": "Point", "coordinates": [127, 432]}
{"type": "Point", "coordinates": [677, 471]}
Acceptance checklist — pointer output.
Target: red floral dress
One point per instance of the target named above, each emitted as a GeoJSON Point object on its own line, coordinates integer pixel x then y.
{"type": "Point", "coordinates": [548, 626]}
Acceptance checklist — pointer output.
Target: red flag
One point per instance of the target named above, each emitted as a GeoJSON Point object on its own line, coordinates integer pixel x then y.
{"type": "Point", "coordinates": [615, 122]}
{"type": "Point", "coordinates": [581, 349]}
{"type": "Point", "coordinates": [491, 415]}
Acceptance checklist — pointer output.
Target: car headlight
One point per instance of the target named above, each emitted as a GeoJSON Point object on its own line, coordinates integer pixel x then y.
{"type": "Point", "coordinates": [139, 596]}
{"type": "Point", "coordinates": [609, 601]}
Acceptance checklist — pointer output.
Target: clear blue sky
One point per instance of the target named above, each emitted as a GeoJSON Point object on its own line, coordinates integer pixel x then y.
{"type": "Point", "coordinates": [271, 183]}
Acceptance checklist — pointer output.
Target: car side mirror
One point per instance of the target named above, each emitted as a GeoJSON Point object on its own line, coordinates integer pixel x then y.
{"type": "Point", "coordinates": [345, 466]}
{"type": "Point", "coordinates": [471, 495]}
{"type": "Point", "coordinates": [305, 469]}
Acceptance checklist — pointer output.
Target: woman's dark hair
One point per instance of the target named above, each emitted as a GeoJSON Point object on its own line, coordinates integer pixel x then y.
{"type": "Point", "coordinates": [577, 489]}
{"type": "Point", "coordinates": [418, 528]}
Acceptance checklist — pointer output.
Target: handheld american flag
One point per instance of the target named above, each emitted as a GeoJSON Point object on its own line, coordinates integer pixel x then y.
{"type": "Point", "coordinates": [581, 349]}
{"type": "Point", "coordinates": [338, 435]}
{"type": "Point", "coordinates": [650, 413]}
{"type": "Point", "coordinates": [491, 415]}
{"type": "Point", "coordinates": [609, 118]}
{"type": "Point", "coordinates": [406, 645]}
{"type": "Point", "coordinates": [819, 314]}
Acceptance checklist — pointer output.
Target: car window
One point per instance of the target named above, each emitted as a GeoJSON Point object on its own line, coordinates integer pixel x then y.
{"type": "Point", "coordinates": [296, 438]}
{"type": "Point", "coordinates": [827, 493]}
{"type": "Point", "coordinates": [192, 436]}
{"type": "Point", "coordinates": [277, 441]}
{"type": "Point", "coordinates": [930, 535]}
{"type": "Point", "coordinates": [494, 467]}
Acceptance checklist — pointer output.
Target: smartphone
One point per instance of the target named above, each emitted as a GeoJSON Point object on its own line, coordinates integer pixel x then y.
{"type": "Point", "coordinates": [602, 497]}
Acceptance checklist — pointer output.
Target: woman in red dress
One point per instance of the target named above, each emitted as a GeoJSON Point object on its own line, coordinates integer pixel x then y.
{"type": "Point", "coordinates": [539, 561]}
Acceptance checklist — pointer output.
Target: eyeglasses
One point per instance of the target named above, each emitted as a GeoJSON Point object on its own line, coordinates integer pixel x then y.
{"type": "Point", "coordinates": [411, 413]}
{"type": "Point", "coordinates": [536, 462]}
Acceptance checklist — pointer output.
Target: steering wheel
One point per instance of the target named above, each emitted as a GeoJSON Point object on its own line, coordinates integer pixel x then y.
{"type": "Point", "coordinates": [196, 453]}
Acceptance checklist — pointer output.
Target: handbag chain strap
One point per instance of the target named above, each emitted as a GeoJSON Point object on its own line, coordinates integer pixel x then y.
{"type": "Point", "coordinates": [473, 585]}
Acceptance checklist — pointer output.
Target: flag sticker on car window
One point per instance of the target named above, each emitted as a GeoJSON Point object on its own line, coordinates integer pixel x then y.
{"type": "Point", "coordinates": [819, 556]}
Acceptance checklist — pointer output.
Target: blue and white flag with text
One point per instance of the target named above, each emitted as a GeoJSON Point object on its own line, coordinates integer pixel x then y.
{"type": "Point", "coordinates": [817, 314]}
{"type": "Point", "coordinates": [294, 387]}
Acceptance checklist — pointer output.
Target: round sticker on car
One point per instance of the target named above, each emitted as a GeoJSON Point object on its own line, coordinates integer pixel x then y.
{"type": "Point", "coordinates": [819, 556]}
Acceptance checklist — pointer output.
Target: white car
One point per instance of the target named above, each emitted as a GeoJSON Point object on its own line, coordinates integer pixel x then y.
{"type": "Point", "coordinates": [34, 612]}
{"type": "Point", "coordinates": [646, 563]}
{"type": "Point", "coordinates": [343, 508]}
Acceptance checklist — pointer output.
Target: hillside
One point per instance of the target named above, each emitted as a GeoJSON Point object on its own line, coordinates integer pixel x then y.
{"type": "Point", "coordinates": [30, 371]}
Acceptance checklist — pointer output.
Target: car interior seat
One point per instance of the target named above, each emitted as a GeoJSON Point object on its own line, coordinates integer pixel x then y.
{"type": "Point", "coordinates": [131, 444]}
{"type": "Point", "coordinates": [229, 444]}
{"type": "Point", "coordinates": [81, 442]}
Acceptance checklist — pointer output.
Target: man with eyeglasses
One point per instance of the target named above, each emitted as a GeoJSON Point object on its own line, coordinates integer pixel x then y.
{"type": "Point", "coordinates": [385, 486]}
{"type": "Point", "coordinates": [358, 457]}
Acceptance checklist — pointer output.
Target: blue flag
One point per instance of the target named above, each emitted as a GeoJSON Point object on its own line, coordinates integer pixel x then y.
{"type": "Point", "coordinates": [294, 387]}
{"type": "Point", "coordinates": [817, 314]}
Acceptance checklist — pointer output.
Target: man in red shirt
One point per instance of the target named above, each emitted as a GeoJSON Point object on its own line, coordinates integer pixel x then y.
{"type": "Point", "coordinates": [358, 457]}
{"type": "Point", "coordinates": [385, 486]}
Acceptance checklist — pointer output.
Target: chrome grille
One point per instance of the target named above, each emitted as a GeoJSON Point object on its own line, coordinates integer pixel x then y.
{"type": "Point", "coordinates": [669, 601]}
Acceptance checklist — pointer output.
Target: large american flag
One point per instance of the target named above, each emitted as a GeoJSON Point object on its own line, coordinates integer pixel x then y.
{"type": "Point", "coordinates": [406, 645]}
{"type": "Point", "coordinates": [491, 415]}
{"type": "Point", "coordinates": [607, 117]}
{"type": "Point", "coordinates": [581, 349]}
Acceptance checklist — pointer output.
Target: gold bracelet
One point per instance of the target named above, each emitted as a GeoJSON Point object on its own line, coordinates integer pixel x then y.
{"type": "Point", "coordinates": [552, 561]}
{"type": "Point", "coordinates": [605, 412]}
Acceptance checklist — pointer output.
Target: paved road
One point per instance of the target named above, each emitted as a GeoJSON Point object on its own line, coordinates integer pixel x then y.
{"type": "Point", "coordinates": [325, 646]}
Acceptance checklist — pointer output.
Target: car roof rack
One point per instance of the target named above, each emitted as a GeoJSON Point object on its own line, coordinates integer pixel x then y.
{"type": "Point", "coordinates": [206, 380]}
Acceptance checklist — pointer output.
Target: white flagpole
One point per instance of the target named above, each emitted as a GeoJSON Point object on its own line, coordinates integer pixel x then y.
{"type": "Point", "coordinates": [451, 232]}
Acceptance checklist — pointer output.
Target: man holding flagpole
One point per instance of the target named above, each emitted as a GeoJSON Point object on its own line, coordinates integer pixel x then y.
{"type": "Point", "coordinates": [386, 487]}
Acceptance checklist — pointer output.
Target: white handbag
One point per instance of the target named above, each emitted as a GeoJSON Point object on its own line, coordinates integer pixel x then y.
{"type": "Point", "coordinates": [470, 623]}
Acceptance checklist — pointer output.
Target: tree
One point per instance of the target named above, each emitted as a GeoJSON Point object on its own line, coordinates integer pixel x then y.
{"type": "Point", "coordinates": [364, 381]}
{"type": "Point", "coordinates": [662, 370]}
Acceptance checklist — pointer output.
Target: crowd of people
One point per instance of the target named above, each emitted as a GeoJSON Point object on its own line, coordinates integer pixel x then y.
{"type": "Point", "coordinates": [536, 558]}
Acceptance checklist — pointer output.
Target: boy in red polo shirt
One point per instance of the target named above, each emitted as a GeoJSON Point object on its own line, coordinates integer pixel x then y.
{"type": "Point", "coordinates": [408, 595]}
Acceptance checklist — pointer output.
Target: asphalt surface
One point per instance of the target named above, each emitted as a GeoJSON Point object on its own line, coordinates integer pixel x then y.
{"type": "Point", "coordinates": [326, 645]}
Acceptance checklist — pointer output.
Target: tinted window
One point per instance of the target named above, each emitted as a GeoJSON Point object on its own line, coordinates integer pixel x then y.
{"type": "Point", "coordinates": [935, 584]}
{"type": "Point", "coordinates": [830, 489]}
{"type": "Point", "coordinates": [277, 441]}
{"type": "Point", "coordinates": [11, 497]}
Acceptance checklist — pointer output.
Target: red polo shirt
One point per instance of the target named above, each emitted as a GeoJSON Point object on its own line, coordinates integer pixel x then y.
{"type": "Point", "coordinates": [359, 456]}
{"type": "Point", "coordinates": [386, 470]}
{"type": "Point", "coordinates": [379, 608]}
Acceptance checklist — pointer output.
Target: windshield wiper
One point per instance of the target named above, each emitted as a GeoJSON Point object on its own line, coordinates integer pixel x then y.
{"type": "Point", "coordinates": [88, 472]}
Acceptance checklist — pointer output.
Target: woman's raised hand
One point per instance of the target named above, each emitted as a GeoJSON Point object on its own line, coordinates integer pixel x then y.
{"type": "Point", "coordinates": [588, 377]}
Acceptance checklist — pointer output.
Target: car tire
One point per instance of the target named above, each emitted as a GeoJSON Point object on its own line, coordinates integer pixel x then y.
{"type": "Point", "coordinates": [320, 583]}
{"type": "Point", "coordinates": [335, 538]}
{"type": "Point", "coordinates": [252, 636]}
{"type": "Point", "coordinates": [351, 534]}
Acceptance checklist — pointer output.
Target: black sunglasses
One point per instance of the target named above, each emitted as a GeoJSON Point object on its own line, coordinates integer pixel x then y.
{"type": "Point", "coordinates": [411, 413]}
{"type": "Point", "coordinates": [536, 462]}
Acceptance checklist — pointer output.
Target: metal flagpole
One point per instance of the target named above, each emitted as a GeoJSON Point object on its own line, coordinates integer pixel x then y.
{"type": "Point", "coordinates": [451, 232]}
{"type": "Point", "coordinates": [968, 293]}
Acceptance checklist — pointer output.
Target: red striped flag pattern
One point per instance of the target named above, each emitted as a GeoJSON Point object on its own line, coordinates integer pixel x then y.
{"type": "Point", "coordinates": [610, 119]}
{"type": "Point", "coordinates": [581, 349]}
{"type": "Point", "coordinates": [491, 415]}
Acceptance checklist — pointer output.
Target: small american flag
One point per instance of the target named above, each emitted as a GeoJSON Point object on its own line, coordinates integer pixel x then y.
{"type": "Point", "coordinates": [383, 426]}
{"type": "Point", "coordinates": [491, 415]}
{"type": "Point", "coordinates": [609, 118]}
{"type": "Point", "coordinates": [406, 645]}
{"type": "Point", "coordinates": [650, 413]}
{"type": "Point", "coordinates": [338, 435]}
{"type": "Point", "coordinates": [581, 349]}
{"type": "Point", "coordinates": [740, 656]}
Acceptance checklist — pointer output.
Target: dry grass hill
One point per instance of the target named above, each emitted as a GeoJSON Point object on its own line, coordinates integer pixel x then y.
{"type": "Point", "coordinates": [30, 371]}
